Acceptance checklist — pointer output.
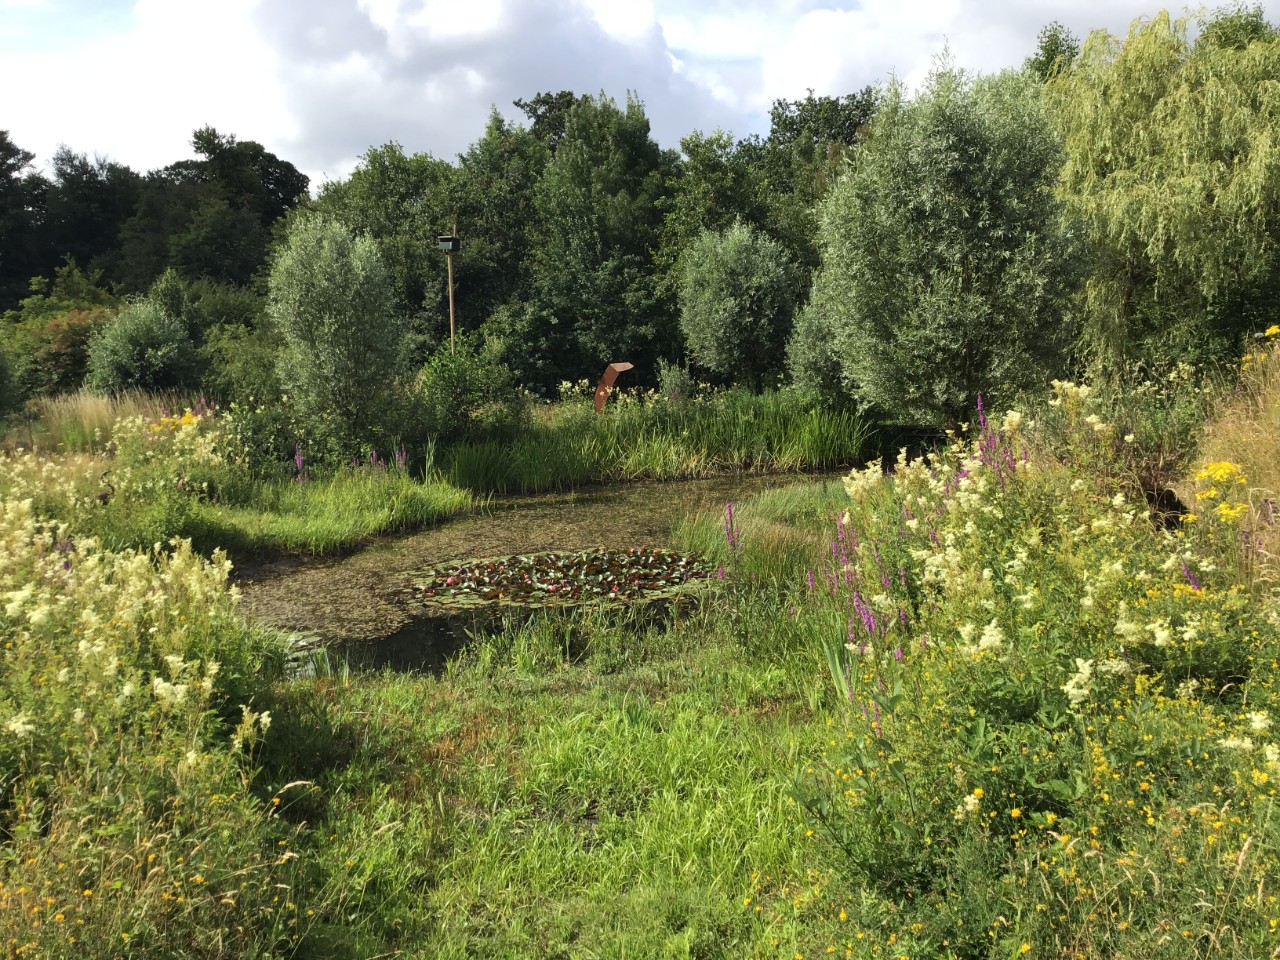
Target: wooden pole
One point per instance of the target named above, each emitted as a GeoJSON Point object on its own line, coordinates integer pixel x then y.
{"type": "Point", "coordinates": [449, 260]}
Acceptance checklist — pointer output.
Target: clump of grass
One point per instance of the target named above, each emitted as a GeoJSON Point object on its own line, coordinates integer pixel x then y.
{"type": "Point", "coordinates": [329, 515]}
{"type": "Point", "coordinates": [655, 439]}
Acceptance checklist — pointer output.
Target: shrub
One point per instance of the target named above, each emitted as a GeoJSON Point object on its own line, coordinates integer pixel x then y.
{"type": "Point", "coordinates": [737, 295]}
{"type": "Point", "coordinates": [811, 356]}
{"type": "Point", "coordinates": [143, 347]}
{"type": "Point", "coordinates": [465, 389]}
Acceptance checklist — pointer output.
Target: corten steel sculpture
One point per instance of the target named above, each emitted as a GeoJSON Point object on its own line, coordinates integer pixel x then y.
{"type": "Point", "coordinates": [606, 382]}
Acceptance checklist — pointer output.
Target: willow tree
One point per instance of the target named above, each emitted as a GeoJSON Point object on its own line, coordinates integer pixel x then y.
{"type": "Point", "coordinates": [1173, 174]}
{"type": "Point", "coordinates": [331, 297]}
{"type": "Point", "coordinates": [943, 274]}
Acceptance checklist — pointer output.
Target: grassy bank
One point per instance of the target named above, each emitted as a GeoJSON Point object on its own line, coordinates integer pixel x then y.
{"type": "Point", "coordinates": [166, 477]}
{"type": "Point", "coordinates": [569, 445]}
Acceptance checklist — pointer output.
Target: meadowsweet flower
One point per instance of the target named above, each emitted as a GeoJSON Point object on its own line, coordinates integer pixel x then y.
{"type": "Point", "coordinates": [1259, 722]}
{"type": "Point", "coordinates": [169, 694]}
{"type": "Point", "coordinates": [1242, 744]}
{"type": "Point", "coordinates": [859, 482]}
{"type": "Point", "coordinates": [1160, 633]}
{"type": "Point", "coordinates": [1114, 668]}
{"type": "Point", "coordinates": [1079, 685]}
{"type": "Point", "coordinates": [992, 637]}
{"type": "Point", "coordinates": [1012, 421]}
{"type": "Point", "coordinates": [20, 726]}
{"type": "Point", "coordinates": [967, 807]}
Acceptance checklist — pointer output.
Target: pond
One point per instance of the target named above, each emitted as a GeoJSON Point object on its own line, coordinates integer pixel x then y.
{"type": "Point", "coordinates": [367, 605]}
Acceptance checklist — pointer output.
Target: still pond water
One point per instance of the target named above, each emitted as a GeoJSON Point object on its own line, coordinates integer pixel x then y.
{"type": "Point", "coordinates": [362, 605]}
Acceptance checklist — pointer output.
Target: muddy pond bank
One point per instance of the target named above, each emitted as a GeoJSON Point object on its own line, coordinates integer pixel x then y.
{"type": "Point", "coordinates": [361, 603]}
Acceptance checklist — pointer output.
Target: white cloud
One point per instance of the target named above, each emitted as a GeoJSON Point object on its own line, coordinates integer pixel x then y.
{"type": "Point", "coordinates": [320, 82]}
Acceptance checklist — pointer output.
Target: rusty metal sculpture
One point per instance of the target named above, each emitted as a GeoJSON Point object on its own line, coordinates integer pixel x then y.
{"type": "Point", "coordinates": [606, 383]}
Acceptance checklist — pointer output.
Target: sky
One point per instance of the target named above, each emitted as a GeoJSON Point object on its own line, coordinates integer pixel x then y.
{"type": "Point", "coordinates": [318, 82]}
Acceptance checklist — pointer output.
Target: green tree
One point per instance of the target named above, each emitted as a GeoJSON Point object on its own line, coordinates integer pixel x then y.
{"type": "Point", "coordinates": [87, 203]}
{"type": "Point", "coordinates": [795, 167]}
{"type": "Point", "coordinates": [1057, 50]}
{"type": "Point", "coordinates": [713, 186]}
{"type": "Point", "coordinates": [1173, 174]}
{"type": "Point", "coordinates": [22, 193]}
{"type": "Point", "coordinates": [599, 222]}
{"type": "Point", "coordinates": [330, 296]}
{"type": "Point", "coordinates": [548, 115]}
{"type": "Point", "coordinates": [403, 202]}
{"type": "Point", "coordinates": [737, 297]}
{"type": "Point", "coordinates": [210, 217]}
{"type": "Point", "coordinates": [943, 275]}
{"type": "Point", "coordinates": [492, 194]}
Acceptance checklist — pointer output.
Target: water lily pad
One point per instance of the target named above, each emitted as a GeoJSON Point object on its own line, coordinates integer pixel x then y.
{"type": "Point", "coordinates": [562, 579]}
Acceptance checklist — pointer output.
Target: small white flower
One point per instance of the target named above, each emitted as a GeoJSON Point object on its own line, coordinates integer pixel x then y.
{"type": "Point", "coordinates": [64, 674]}
{"type": "Point", "coordinates": [1259, 722]}
{"type": "Point", "coordinates": [78, 715]}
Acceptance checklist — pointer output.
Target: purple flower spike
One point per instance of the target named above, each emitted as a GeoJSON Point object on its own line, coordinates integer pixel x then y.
{"type": "Point", "coordinates": [1191, 577]}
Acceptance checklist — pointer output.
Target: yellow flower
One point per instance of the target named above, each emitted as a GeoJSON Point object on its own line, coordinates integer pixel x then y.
{"type": "Point", "coordinates": [1016, 812]}
{"type": "Point", "coordinates": [1272, 330]}
{"type": "Point", "coordinates": [979, 792]}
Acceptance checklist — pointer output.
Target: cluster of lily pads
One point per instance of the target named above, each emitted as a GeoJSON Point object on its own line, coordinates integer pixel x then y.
{"type": "Point", "coordinates": [562, 579]}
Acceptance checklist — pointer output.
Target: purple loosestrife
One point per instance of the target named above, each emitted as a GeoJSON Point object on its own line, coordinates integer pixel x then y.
{"type": "Point", "coordinates": [732, 534]}
{"type": "Point", "coordinates": [1191, 577]}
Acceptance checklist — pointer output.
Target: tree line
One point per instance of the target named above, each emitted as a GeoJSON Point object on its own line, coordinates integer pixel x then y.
{"type": "Point", "coordinates": [1112, 206]}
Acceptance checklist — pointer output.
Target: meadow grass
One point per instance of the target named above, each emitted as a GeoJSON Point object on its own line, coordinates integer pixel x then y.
{"type": "Point", "coordinates": [325, 516]}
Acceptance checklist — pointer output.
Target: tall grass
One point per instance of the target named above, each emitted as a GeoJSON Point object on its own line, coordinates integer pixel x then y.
{"type": "Point", "coordinates": [661, 441]}
{"type": "Point", "coordinates": [83, 421]}
{"type": "Point", "coordinates": [1245, 429]}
